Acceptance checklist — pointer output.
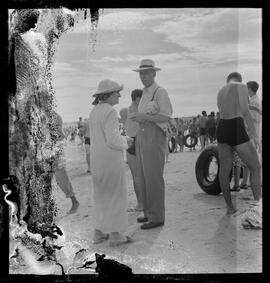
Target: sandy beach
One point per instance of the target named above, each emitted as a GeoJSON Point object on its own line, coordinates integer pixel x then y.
{"type": "Point", "coordinates": [197, 236]}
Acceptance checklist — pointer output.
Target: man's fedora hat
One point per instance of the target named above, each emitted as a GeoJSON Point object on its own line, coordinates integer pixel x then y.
{"type": "Point", "coordinates": [107, 86]}
{"type": "Point", "coordinates": [146, 64]}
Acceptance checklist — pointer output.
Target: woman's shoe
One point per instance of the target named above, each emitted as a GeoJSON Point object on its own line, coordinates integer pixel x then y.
{"type": "Point", "coordinates": [120, 242]}
{"type": "Point", "coordinates": [103, 238]}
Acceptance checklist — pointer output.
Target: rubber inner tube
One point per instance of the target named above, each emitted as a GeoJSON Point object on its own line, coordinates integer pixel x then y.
{"type": "Point", "coordinates": [190, 140]}
{"type": "Point", "coordinates": [172, 145]}
{"type": "Point", "coordinates": [207, 170]}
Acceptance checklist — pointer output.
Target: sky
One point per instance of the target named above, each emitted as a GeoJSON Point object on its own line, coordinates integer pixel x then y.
{"type": "Point", "coordinates": [196, 48]}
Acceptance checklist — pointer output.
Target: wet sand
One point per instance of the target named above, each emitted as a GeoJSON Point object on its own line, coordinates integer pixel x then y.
{"type": "Point", "coordinates": [198, 236]}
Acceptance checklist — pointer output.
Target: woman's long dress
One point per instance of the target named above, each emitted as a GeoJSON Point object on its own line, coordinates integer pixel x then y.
{"type": "Point", "coordinates": [108, 170]}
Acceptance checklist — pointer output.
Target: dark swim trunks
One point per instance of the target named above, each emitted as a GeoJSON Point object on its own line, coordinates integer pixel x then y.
{"type": "Point", "coordinates": [232, 131]}
{"type": "Point", "coordinates": [203, 131]}
{"type": "Point", "coordinates": [86, 140]}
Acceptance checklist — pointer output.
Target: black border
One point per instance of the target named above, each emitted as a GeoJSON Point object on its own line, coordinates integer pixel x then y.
{"type": "Point", "coordinates": [73, 4]}
{"type": "Point", "coordinates": [4, 241]}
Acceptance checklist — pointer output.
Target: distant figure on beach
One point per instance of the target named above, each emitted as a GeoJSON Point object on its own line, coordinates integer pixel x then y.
{"type": "Point", "coordinates": [108, 167]}
{"type": "Point", "coordinates": [73, 134]}
{"type": "Point", "coordinates": [173, 135]}
{"type": "Point", "coordinates": [203, 129]}
{"type": "Point", "coordinates": [61, 175]}
{"type": "Point", "coordinates": [80, 131]}
{"type": "Point", "coordinates": [86, 134]}
{"type": "Point", "coordinates": [151, 145]}
{"type": "Point", "coordinates": [131, 129]}
{"type": "Point", "coordinates": [211, 127]}
{"type": "Point", "coordinates": [180, 135]}
{"type": "Point", "coordinates": [232, 102]}
{"type": "Point", "coordinates": [193, 130]}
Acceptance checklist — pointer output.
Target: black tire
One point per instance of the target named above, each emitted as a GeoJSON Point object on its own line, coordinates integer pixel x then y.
{"type": "Point", "coordinates": [209, 185]}
{"type": "Point", "coordinates": [172, 145]}
{"type": "Point", "coordinates": [192, 138]}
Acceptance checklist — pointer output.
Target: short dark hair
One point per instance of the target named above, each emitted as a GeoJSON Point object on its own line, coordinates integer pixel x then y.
{"type": "Point", "coordinates": [203, 112]}
{"type": "Point", "coordinates": [253, 86]}
{"type": "Point", "coordinates": [136, 93]}
{"type": "Point", "coordinates": [234, 75]}
{"type": "Point", "coordinates": [102, 97]}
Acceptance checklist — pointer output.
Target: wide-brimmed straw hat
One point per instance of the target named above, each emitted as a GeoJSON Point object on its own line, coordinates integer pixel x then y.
{"type": "Point", "coordinates": [146, 64]}
{"type": "Point", "coordinates": [107, 86]}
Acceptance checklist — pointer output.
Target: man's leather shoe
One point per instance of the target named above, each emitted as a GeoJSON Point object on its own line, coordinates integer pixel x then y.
{"type": "Point", "coordinates": [142, 219]}
{"type": "Point", "coordinates": [150, 225]}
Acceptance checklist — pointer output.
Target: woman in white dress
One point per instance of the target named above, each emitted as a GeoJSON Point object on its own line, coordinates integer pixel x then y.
{"type": "Point", "coordinates": [108, 167]}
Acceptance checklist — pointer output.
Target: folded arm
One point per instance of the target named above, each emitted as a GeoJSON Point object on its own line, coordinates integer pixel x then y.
{"type": "Point", "coordinates": [164, 113]}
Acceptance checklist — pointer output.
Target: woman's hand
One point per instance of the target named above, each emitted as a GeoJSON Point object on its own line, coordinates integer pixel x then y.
{"type": "Point", "coordinates": [130, 141]}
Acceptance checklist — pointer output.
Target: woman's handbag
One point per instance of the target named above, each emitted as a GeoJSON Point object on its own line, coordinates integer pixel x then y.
{"type": "Point", "coordinates": [131, 150]}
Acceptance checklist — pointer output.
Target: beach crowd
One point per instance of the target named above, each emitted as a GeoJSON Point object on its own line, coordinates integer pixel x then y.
{"type": "Point", "coordinates": [146, 132]}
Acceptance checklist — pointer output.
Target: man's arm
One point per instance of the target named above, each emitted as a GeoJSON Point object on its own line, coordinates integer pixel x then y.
{"type": "Point", "coordinates": [164, 113]}
{"type": "Point", "coordinates": [256, 112]}
{"type": "Point", "coordinates": [165, 108]}
{"type": "Point", "coordinates": [141, 117]}
{"type": "Point", "coordinates": [254, 108]}
{"type": "Point", "coordinates": [243, 100]}
{"type": "Point", "coordinates": [157, 118]}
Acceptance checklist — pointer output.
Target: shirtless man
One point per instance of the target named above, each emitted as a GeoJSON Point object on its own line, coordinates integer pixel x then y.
{"type": "Point", "coordinates": [232, 102]}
